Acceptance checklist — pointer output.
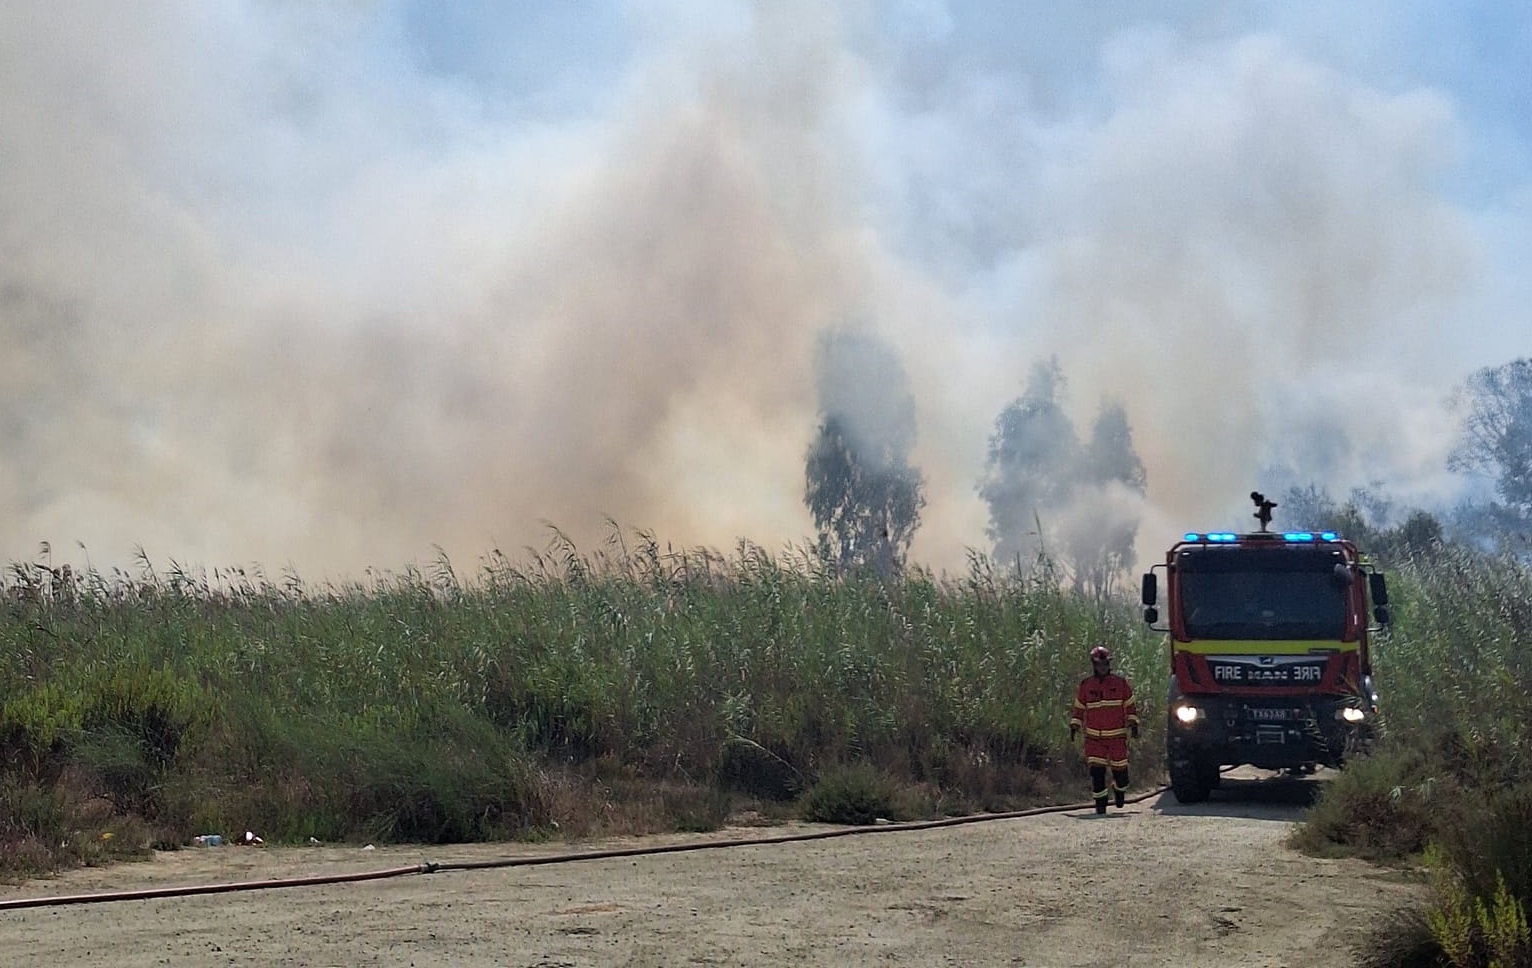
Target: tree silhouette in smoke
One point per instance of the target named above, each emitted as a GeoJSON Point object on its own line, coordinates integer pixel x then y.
{"type": "Point", "coordinates": [1495, 438]}
{"type": "Point", "coordinates": [1033, 444]}
{"type": "Point", "coordinates": [1103, 548]}
{"type": "Point", "coordinates": [1374, 521]}
{"type": "Point", "coordinates": [864, 496]}
{"type": "Point", "coordinates": [1496, 434]}
{"type": "Point", "coordinates": [1042, 485]}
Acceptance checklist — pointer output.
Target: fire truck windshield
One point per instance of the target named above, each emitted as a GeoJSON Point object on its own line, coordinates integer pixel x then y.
{"type": "Point", "coordinates": [1238, 593]}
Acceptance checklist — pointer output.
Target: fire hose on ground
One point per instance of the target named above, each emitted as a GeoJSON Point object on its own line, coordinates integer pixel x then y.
{"type": "Point", "coordinates": [564, 858]}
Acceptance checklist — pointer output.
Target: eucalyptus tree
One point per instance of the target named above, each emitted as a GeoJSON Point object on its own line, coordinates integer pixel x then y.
{"type": "Point", "coordinates": [864, 495]}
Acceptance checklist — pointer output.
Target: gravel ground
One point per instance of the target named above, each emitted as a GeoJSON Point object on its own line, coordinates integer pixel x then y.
{"type": "Point", "coordinates": [1154, 884]}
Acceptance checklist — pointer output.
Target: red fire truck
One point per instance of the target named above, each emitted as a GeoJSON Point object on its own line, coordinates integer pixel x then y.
{"type": "Point", "coordinates": [1269, 658]}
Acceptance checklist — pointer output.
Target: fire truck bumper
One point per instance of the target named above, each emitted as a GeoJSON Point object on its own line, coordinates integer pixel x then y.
{"type": "Point", "coordinates": [1270, 734]}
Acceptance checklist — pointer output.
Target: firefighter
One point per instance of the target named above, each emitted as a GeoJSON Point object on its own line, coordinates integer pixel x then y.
{"type": "Point", "coordinates": [1104, 709]}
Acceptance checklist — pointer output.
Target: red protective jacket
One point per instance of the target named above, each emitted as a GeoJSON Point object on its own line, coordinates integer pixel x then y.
{"type": "Point", "coordinates": [1104, 709]}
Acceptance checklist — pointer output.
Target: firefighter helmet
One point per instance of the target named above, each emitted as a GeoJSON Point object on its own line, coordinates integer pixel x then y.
{"type": "Point", "coordinates": [1101, 654]}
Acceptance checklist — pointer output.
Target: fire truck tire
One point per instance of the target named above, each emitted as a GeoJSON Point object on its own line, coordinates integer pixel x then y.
{"type": "Point", "coordinates": [1192, 780]}
{"type": "Point", "coordinates": [1212, 775]}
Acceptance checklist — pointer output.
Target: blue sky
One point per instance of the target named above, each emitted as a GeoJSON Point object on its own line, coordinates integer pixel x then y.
{"type": "Point", "coordinates": [332, 285]}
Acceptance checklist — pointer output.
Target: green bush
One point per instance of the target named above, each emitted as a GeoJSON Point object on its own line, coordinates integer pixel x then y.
{"type": "Point", "coordinates": [1382, 807]}
{"type": "Point", "coordinates": [37, 729]}
{"type": "Point", "coordinates": [445, 776]}
{"type": "Point", "coordinates": [1486, 840]}
{"type": "Point", "coordinates": [1474, 930]}
{"type": "Point", "coordinates": [1403, 939]}
{"type": "Point", "coordinates": [855, 794]}
{"type": "Point", "coordinates": [442, 789]}
{"type": "Point", "coordinates": [748, 767]}
{"type": "Point", "coordinates": [45, 828]}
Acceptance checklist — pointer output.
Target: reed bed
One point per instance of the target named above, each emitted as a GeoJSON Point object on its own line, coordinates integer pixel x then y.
{"type": "Point", "coordinates": [556, 692]}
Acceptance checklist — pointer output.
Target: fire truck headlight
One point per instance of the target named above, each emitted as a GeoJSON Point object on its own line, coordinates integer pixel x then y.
{"type": "Point", "coordinates": [1352, 714]}
{"type": "Point", "coordinates": [1188, 714]}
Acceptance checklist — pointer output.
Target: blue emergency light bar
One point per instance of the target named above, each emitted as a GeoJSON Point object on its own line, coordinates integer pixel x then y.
{"type": "Point", "coordinates": [1227, 537]}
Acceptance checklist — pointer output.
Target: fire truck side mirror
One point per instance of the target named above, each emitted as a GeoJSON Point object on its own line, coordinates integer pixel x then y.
{"type": "Point", "coordinates": [1149, 595]}
{"type": "Point", "coordinates": [1378, 587]}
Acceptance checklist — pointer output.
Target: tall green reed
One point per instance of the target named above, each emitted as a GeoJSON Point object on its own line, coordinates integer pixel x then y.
{"type": "Point", "coordinates": [656, 659]}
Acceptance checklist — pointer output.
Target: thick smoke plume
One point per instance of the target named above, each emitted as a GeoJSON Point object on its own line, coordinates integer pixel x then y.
{"type": "Point", "coordinates": [331, 285]}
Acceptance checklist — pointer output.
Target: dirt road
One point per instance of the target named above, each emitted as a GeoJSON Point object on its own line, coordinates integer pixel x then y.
{"type": "Point", "coordinates": [1156, 884]}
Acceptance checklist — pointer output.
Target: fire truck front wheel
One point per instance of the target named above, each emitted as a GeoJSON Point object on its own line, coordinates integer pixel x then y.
{"type": "Point", "coordinates": [1192, 776]}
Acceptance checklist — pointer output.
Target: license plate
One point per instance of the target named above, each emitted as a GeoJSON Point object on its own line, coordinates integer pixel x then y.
{"type": "Point", "coordinates": [1270, 715]}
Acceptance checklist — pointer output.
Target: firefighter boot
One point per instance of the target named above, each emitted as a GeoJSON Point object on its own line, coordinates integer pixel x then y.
{"type": "Point", "coordinates": [1101, 804]}
{"type": "Point", "coordinates": [1120, 785]}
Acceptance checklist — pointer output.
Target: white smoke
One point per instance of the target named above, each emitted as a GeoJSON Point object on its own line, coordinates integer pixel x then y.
{"type": "Point", "coordinates": [286, 283]}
